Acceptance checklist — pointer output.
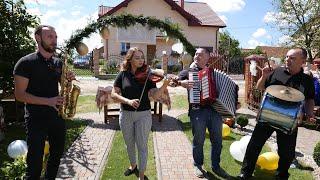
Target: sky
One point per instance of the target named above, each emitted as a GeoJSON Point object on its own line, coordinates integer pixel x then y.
{"type": "Point", "coordinates": [249, 21]}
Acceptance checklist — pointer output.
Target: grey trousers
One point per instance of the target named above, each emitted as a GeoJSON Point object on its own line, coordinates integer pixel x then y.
{"type": "Point", "coordinates": [135, 127]}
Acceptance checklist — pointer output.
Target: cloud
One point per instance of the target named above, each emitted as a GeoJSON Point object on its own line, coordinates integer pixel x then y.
{"type": "Point", "coordinates": [226, 5]}
{"type": "Point", "coordinates": [223, 18]}
{"type": "Point", "coordinates": [270, 17]}
{"type": "Point", "coordinates": [284, 40]}
{"type": "Point", "coordinates": [48, 3]}
{"type": "Point", "coordinates": [259, 33]}
{"type": "Point", "coordinates": [45, 19]}
{"type": "Point", "coordinates": [65, 26]}
{"type": "Point", "coordinates": [75, 13]}
{"type": "Point", "coordinates": [253, 43]}
{"type": "Point", "coordinates": [34, 11]}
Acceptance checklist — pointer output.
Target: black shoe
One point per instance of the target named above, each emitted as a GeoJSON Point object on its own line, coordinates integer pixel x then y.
{"type": "Point", "coordinates": [243, 176]}
{"type": "Point", "coordinates": [221, 173]}
{"type": "Point", "coordinates": [128, 172]}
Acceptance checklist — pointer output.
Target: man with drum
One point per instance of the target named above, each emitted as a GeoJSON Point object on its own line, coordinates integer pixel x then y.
{"type": "Point", "coordinates": [291, 76]}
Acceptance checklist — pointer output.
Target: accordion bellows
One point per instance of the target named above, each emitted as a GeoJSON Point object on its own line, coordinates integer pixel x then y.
{"type": "Point", "coordinates": [216, 88]}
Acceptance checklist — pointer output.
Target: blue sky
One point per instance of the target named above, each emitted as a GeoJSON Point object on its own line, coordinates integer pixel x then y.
{"type": "Point", "coordinates": [247, 20]}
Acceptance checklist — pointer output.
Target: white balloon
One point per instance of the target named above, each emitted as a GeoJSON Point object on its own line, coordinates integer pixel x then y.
{"type": "Point", "coordinates": [235, 151]}
{"type": "Point", "coordinates": [244, 141]}
{"type": "Point", "coordinates": [178, 47]}
{"type": "Point", "coordinates": [17, 148]}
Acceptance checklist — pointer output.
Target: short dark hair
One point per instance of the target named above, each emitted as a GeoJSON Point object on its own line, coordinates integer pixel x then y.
{"type": "Point", "coordinates": [304, 53]}
{"type": "Point", "coordinates": [38, 29]}
{"type": "Point", "coordinates": [205, 50]}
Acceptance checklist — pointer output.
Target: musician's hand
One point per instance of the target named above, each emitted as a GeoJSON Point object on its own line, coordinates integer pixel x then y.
{"type": "Point", "coordinates": [187, 84]}
{"type": "Point", "coordinates": [71, 76]}
{"type": "Point", "coordinates": [266, 71]}
{"type": "Point", "coordinates": [134, 103]}
{"type": "Point", "coordinates": [55, 101]}
{"type": "Point", "coordinates": [311, 119]}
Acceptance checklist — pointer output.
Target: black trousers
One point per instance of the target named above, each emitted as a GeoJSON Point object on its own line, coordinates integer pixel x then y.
{"type": "Point", "coordinates": [40, 128]}
{"type": "Point", "coordinates": [286, 149]}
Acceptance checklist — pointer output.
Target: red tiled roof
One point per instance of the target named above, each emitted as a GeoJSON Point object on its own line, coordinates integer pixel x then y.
{"type": "Point", "coordinates": [277, 52]}
{"type": "Point", "coordinates": [197, 14]}
{"type": "Point", "coordinates": [204, 13]}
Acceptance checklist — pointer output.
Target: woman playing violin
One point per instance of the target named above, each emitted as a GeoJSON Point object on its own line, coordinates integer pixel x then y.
{"type": "Point", "coordinates": [135, 116]}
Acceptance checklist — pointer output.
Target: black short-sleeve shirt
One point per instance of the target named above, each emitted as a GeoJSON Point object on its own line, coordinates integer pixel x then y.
{"type": "Point", "coordinates": [43, 74]}
{"type": "Point", "coordinates": [131, 89]}
{"type": "Point", "coordinates": [300, 81]}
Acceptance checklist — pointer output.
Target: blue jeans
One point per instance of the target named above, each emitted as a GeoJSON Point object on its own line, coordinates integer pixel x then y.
{"type": "Point", "coordinates": [200, 120]}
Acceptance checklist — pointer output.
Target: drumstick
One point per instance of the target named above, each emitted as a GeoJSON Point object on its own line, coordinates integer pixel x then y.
{"type": "Point", "coordinates": [269, 65]}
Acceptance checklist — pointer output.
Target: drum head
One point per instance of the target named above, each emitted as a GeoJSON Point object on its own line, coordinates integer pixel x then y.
{"type": "Point", "coordinates": [285, 93]}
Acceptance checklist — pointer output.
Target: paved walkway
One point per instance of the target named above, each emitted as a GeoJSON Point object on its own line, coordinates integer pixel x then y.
{"type": "Point", "coordinates": [172, 149]}
{"type": "Point", "coordinates": [86, 157]}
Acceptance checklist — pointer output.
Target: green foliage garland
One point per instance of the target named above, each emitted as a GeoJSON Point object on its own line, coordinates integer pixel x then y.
{"type": "Point", "coordinates": [126, 20]}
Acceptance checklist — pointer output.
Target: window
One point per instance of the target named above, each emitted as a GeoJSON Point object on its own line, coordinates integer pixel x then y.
{"type": "Point", "coordinates": [124, 48]}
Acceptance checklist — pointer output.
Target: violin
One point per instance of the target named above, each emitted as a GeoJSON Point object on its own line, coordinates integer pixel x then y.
{"type": "Point", "coordinates": [154, 75]}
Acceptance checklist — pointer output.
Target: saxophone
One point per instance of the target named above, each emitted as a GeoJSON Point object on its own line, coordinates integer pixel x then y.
{"type": "Point", "coordinates": [70, 92]}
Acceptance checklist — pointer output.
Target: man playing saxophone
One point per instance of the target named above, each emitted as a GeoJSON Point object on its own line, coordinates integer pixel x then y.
{"type": "Point", "coordinates": [36, 78]}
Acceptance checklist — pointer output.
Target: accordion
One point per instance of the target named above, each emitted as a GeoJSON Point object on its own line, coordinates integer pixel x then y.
{"type": "Point", "coordinates": [216, 88]}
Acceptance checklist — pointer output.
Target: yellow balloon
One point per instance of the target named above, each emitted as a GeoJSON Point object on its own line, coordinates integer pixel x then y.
{"type": "Point", "coordinates": [268, 161]}
{"type": "Point", "coordinates": [46, 148]}
{"type": "Point", "coordinates": [225, 130]}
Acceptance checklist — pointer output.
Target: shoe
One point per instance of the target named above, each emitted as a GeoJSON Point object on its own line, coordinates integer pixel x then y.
{"type": "Point", "coordinates": [221, 173]}
{"type": "Point", "coordinates": [243, 176]}
{"type": "Point", "coordinates": [128, 172]}
{"type": "Point", "coordinates": [199, 172]}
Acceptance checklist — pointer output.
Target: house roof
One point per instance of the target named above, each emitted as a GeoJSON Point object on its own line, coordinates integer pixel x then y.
{"type": "Point", "coordinates": [277, 52]}
{"type": "Point", "coordinates": [197, 13]}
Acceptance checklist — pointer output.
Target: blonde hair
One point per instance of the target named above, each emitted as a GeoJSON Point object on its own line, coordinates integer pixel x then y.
{"type": "Point", "coordinates": [127, 59]}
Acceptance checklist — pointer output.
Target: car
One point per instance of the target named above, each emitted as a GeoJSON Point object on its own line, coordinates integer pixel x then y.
{"type": "Point", "coordinates": [82, 62]}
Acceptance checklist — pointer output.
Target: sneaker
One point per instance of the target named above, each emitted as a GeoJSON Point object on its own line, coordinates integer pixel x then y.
{"type": "Point", "coordinates": [128, 172]}
{"type": "Point", "coordinates": [199, 172]}
{"type": "Point", "coordinates": [221, 173]}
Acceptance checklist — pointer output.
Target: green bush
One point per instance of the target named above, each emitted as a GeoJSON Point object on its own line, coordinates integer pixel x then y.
{"type": "Point", "coordinates": [242, 120]}
{"type": "Point", "coordinates": [316, 153]}
{"type": "Point", "coordinates": [15, 169]}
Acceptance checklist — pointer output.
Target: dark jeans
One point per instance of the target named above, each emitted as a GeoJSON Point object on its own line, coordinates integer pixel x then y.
{"type": "Point", "coordinates": [40, 128]}
{"type": "Point", "coordinates": [286, 149]}
{"type": "Point", "coordinates": [200, 120]}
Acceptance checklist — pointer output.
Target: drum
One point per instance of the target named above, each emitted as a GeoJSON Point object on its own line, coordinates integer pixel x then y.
{"type": "Point", "coordinates": [279, 113]}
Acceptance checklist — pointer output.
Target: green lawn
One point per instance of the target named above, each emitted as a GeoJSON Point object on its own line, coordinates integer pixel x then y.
{"type": "Point", "coordinates": [118, 160]}
{"type": "Point", "coordinates": [179, 102]}
{"type": "Point", "coordinates": [17, 131]}
{"type": "Point", "coordinates": [87, 104]}
{"type": "Point", "coordinates": [227, 161]}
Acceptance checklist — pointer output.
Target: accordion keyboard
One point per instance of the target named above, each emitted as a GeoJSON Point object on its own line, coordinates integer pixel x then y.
{"type": "Point", "coordinates": [194, 92]}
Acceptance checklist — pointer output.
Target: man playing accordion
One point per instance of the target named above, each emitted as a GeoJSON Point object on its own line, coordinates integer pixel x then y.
{"type": "Point", "coordinates": [202, 117]}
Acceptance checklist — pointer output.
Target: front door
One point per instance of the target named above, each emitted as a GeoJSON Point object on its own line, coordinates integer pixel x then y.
{"type": "Point", "coordinates": [151, 53]}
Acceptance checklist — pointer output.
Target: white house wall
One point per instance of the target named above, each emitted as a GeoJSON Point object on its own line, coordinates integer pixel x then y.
{"type": "Point", "coordinates": [197, 35]}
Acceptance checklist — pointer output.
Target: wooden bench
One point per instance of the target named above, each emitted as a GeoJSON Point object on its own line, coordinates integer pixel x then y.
{"type": "Point", "coordinates": [154, 110]}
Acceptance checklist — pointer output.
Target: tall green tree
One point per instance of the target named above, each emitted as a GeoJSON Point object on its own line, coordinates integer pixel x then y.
{"type": "Point", "coordinates": [300, 20]}
{"type": "Point", "coordinates": [15, 39]}
{"type": "Point", "coordinates": [229, 47]}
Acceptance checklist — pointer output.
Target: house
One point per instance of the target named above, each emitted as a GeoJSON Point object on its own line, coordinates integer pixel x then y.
{"type": "Point", "coordinates": [273, 53]}
{"type": "Point", "coordinates": [198, 21]}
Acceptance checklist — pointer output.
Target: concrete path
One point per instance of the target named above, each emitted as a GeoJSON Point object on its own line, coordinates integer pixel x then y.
{"type": "Point", "coordinates": [86, 157]}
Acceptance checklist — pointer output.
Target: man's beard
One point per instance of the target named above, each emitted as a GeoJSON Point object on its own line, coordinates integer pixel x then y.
{"type": "Point", "coordinates": [48, 48]}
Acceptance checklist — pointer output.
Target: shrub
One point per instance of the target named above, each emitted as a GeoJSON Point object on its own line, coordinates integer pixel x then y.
{"type": "Point", "coordinates": [316, 153]}
{"type": "Point", "coordinates": [242, 120]}
{"type": "Point", "coordinates": [15, 169]}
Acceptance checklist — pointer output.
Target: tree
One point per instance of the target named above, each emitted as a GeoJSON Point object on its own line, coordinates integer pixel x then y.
{"type": "Point", "coordinates": [229, 47]}
{"type": "Point", "coordinates": [15, 39]}
{"type": "Point", "coordinates": [299, 19]}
